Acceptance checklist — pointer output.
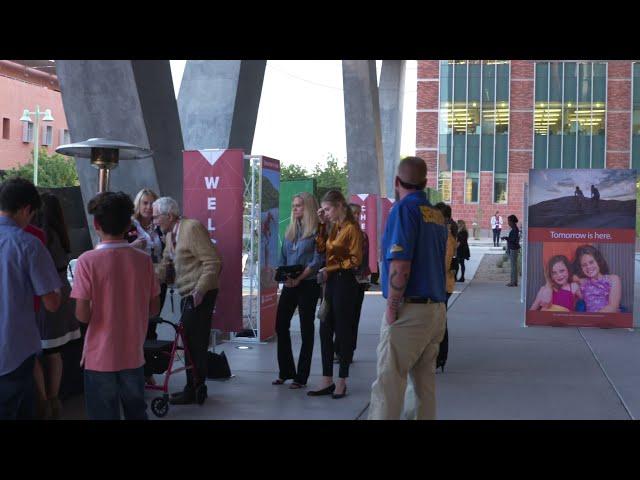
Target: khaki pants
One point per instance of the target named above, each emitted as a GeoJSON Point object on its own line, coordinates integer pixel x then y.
{"type": "Point", "coordinates": [408, 347]}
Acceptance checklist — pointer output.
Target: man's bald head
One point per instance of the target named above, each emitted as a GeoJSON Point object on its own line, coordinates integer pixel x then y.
{"type": "Point", "coordinates": [412, 171]}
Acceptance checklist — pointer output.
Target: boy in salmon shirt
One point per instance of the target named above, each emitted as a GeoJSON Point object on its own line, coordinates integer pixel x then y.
{"type": "Point", "coordinates": [116, 292]}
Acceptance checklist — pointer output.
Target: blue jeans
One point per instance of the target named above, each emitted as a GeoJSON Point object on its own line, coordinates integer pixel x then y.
{"type": "Point", "coordinates": [105, 391]}
{"type": "Point", "coordinates": [17, 392]}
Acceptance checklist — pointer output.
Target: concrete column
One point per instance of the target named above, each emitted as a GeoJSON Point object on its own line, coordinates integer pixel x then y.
{"type": "Point", "coordinates": [391, 102]}
{"type": "Point", "coordinates": [218, 103]}
{"type": "Point", "coordinates": [362, 123]}
{"type": "Point", "coordinates": [160, 111]}
{"type": "Point", "coordinates": [101, 99]}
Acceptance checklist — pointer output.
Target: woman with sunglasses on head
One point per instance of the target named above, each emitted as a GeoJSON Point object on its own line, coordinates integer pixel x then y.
{"type": "Point", "coordinates": [342, 244]}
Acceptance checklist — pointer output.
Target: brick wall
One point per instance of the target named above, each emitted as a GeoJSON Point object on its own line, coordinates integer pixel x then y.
{"type": "Point", "coordinates": [15, 96]}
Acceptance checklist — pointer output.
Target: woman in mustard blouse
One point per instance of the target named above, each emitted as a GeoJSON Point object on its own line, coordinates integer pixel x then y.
{"type": "Point", "coordinates": [342, 244]}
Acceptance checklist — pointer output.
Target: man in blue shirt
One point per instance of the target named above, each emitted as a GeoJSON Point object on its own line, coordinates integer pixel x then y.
{"type": "Point", "coordinates": [26, 269]}
{"type": "Point", "coordinates": [413, 282]}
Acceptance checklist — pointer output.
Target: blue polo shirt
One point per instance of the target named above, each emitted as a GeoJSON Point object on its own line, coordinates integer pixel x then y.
{"type": "Point", "coordinates": [416, 231]}
{"type": "Point", "coordinates": [26, 269]}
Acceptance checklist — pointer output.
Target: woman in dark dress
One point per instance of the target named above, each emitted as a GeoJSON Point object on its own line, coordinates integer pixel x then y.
{"type": "Point", "coordinates": [463, 253]}
{"type": "Point", "coordinates": [60, 327]}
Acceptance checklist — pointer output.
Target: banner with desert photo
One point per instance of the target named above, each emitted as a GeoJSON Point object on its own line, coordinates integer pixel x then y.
{"type": "Point", "coordinates": [581, 247]}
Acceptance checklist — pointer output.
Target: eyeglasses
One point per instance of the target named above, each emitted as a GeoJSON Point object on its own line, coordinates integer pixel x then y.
{"type": "Point", "coordinates": [154, 217]}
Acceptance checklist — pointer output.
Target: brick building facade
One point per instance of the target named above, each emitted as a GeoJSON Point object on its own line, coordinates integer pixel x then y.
{"type": "Point", "coordinates": [23, 87]}
{"type": "Point", "coordinates": [538, 113]}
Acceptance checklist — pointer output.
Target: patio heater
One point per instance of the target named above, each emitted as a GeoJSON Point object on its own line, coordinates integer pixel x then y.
{"type": "Point", "coordinates": [104, 155]}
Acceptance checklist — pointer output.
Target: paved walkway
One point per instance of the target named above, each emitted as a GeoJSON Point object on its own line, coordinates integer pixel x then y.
{"type": "Point", "coordinates": [497, 368]}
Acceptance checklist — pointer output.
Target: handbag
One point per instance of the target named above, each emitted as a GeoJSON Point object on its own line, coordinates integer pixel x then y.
{"type": "Point", "coordinates": [286, 272]}
{"type": "Point", "coordinates": [217, 365]}
{"type": "Point", "coordinates": [454, 263]}
{"type": "Point", "coordinates": [323, 311]}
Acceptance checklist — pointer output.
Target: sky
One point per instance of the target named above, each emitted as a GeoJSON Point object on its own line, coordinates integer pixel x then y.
{"type": "Point", "coordinates": [301, 113]}
{"type": "Point", "coordinates": [612, 184]}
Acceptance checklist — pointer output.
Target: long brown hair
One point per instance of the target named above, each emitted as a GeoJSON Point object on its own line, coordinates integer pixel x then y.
{"type": "Point", "coordinates": [335, 198]}
{"type": "Point", "coordinates": [51, 220]}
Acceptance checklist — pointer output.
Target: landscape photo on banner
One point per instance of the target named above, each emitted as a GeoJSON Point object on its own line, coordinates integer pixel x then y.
{"type": "Point", "coordinates": [269, 250]}
{"type": "Point", "coordinates": [581, 247]}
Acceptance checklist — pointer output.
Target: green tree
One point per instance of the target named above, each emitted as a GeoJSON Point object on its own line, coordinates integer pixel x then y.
{"type": "Point", "coordinates": [332, 176]}
{"type": "Point", "coordinates": [293, 172]}
{"type": "Point", "coordinates": [53, 170]}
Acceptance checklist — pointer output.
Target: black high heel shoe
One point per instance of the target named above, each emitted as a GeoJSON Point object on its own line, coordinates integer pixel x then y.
{"type": "Point", "coordinates": [340, 395]}
{"type": "Point", "coordinates": [325, 391]}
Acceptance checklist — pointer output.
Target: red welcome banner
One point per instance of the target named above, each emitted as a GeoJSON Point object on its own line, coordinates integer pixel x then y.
{"type": "Point", "coordinates": [369, 223]}
{"type": "Point", "coordinates": [213, 188]}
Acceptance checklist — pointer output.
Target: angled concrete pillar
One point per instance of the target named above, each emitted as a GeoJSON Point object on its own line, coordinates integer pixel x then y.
{"type": "Point", "coordinates": [129, 101]}
{"type": "Point", "coordinates": [218, 103]}
{"type": "Point", "coordinates": [391, 101]}
{"type": "Point", "coordinates": [362, 123]}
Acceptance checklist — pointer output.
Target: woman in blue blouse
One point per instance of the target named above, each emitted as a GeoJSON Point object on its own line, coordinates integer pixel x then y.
{"type": "Point", "coordinates": [303, 292]}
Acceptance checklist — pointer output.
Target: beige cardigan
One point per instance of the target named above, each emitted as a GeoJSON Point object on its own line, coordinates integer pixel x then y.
{"type": "Point", "coordinates": [196, 259]}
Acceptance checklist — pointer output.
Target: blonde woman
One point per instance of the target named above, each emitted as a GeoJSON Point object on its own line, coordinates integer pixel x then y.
{"type": "Point", "coordinates": [147, 237]}
{"type": "Point", "coordinates": [303, 292]}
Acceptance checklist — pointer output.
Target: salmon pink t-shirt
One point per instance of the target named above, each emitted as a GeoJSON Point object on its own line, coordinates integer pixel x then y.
{"type": "Point", "coordinates": [120, 282]}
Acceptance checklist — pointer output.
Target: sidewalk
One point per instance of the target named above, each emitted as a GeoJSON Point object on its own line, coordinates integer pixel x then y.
{"type": "Point", "coordinates": [497, 368]}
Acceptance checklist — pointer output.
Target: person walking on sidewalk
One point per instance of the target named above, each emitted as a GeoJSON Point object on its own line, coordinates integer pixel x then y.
{"type": "Point", "coordinates": [463, 253]}
{"type": "Point", "coordinates": [496, 227]}
{"type": "Point", "coordinates": [413, 282]}
{"type": "Point", "coordinates": [513, 247]}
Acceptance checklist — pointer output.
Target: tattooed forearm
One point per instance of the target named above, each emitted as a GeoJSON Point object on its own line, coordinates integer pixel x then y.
{"type": "Point", "coordinates": [393, 303]}
{"type": "Point", "coordinates": [400, 283]}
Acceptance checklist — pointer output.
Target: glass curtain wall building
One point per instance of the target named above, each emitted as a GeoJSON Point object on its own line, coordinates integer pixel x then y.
{"type": "Point", "coordinates": [473, 125]}
{"type": "Point", "coordinates": [570, 115]}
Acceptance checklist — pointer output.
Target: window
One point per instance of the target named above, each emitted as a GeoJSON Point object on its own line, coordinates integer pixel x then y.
{"type": "Point", "coordinates": [473, 121]}
{"type": "Point", "coordinates": [500, 188]}
{"type": "Point", "coordinates": [27, 132]}
{"type": "Point", "coordinates": [65, 138]}
{"type": "Point", "coordinates": [444, 185]}
{"type": "Point", "coordinates": [47, 135]}
{"type": "Point", "coordinates": [569, 115]}
{"type": "Point", "coordinates": [6, 123]}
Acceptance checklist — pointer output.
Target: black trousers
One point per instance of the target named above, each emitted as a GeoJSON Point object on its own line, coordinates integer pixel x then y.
{"type": "Point", "coordinates": [496, 237]}
{"type": "Point", "coordinates": [341, 293]}
{"type": "Point", "coordinates": [305, 296]}
{"type": "Point", "coordinates": [460, 267]}
{"type": "Point", "coordinates": [197, 330]}
{"type": "Point", "coordinates": [359, 301]}
{"type": "Point", "coordinates": [443, 352]}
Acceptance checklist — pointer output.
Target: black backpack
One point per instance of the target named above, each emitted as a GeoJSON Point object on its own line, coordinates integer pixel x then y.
{"type": "Point", "coordinates": [217, 366]}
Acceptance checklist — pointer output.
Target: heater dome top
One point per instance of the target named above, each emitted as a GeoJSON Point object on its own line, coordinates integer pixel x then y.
{"type": "Point", "coordinates": [127, 151]}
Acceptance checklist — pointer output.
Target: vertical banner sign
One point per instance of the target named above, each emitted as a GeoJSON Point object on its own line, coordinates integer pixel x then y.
{"type": "Point", "coordinates": [385, 206]}
{"type": "Point", "coordinates": [269, 220]}
{"type": "Point", "coordinates": [369, 223]}
{"type": "Point", "coordinates": [213, 184]}
{"type": "Point", "coordinates": [581, 247]}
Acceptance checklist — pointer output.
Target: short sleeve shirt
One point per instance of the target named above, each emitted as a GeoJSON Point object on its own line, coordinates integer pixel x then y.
{"type": "Point", "coordinates": [26, 270]}
{"type": "Point", "coordinates": [416, 231]}
{"type": "Point", "coordinates": [119, 281]}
